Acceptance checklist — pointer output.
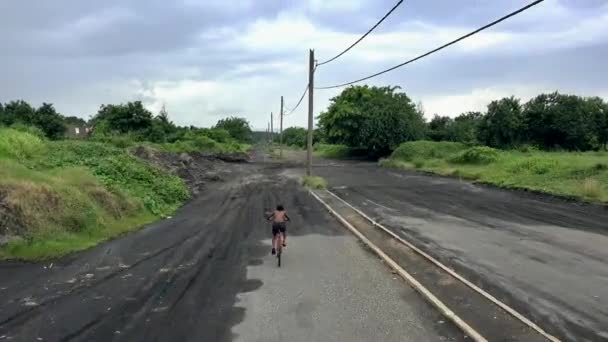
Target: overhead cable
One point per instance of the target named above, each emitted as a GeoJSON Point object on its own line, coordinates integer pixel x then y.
{"type": "Point", "coordinates": [439, 48]}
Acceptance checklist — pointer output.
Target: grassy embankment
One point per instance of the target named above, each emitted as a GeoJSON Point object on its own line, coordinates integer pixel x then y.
{"type": "Point", "coordinates": [58, 197]}
{"type": "Point", "coordinates": [191, 143]}
{"type": "Point", "coordinates": [570, 174]}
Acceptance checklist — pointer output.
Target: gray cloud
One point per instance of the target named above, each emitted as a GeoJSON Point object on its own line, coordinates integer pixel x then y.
{"type": "Point", "coordinates": [206, 59]}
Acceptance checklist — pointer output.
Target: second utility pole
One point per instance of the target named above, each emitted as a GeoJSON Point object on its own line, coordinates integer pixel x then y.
{"type": "Point", "coordinates": [311, 87]}
{"type": "Point", "coordinates": [281, 132]}
{"type": "Point", "coordinates": [271, 128]}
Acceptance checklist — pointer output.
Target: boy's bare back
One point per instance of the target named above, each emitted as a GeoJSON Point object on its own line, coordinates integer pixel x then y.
{"type": "Point", "coordinates": [279, 216]}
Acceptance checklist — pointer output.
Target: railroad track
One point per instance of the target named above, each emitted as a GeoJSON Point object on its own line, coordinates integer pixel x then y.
{"type": "Point", "coordinates": [476, 312]}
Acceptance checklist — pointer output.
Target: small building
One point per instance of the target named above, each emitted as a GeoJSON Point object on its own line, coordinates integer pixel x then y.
{"type": "Point", "coordinates": [77, 132]}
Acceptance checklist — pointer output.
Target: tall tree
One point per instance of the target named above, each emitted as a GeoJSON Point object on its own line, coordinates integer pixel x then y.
{"type": "Point", "coordinates": [598, 109]}
{"type": "Point", "coordinates": [124, 118]}
{"type": "Point", "coordinates": [375, 118]}
{"type": "Point", "coordinates": [464, 128]}
{"type": "Point", "coordinates": [238, 128]}
{"type": "Point", "coordinates": [438, 127]}
{"type": "Point", "coordinates": [74, 121]}
{"type": "Point", "coordinates": [565, 121]}
{"type": "Point", "coordinates": [18, 111]}
{"type": "Point", "coordinates": [49, 121]}
{"type": "Point", "coordinates": [295, 136]}
{"type": "Point", "coordinates": [163, 115]}
{"type": "Point", "coordinates": [503, 124]}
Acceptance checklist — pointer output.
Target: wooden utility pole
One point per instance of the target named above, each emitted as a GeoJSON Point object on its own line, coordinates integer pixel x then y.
{"type": "Point", "coordinates": [311, 87]}
{"type": "Point", "coordinates": [281, 132]}
{"type": "Point", "coordinates": [271, 128]}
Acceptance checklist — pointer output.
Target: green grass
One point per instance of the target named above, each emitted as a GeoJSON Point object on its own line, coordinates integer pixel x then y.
{"type": "Point", "coordinates": [191, 142]}
{"type": "Point", "coordinates": [337, 151]}
{"type": "Point", "coordinates": [579, 175]}
{"type": "Point", "coordinates": [64, 196]}
{"type": "Point", "coordinates": [314, 182]}
{"type": "Point", "coordinates": [56, 244]}
{"type": "Point", "coordinates": [422, 150]}
{"type": "Point", "coordinates": [274, 151]}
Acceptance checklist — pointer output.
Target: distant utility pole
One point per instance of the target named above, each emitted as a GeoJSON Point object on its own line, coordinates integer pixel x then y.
{"type": "Point", "coordinates": [311, 87]}
{"type": "Point", "coordinates": [271, 128]}
{"type": "Point", "coordinates": [281, 132]}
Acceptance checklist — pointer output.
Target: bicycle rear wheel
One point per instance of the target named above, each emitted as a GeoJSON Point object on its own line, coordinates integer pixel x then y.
{"type": "Point", "coordinates": [279, 257]}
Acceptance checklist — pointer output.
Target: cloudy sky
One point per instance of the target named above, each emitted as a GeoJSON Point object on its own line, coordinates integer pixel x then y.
{"type": "Point", "coordinates": [206, 59]}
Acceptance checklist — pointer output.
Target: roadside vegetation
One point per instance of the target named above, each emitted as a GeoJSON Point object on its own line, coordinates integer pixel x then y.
{"type": "Point", "coordinates": [572, 174]}
{"type": "Point", "coordinates": [314, 182]}
{"type": "Point", "coordinates": [554, 143]}
{"type": "Point", "coordinates": [59, 195]}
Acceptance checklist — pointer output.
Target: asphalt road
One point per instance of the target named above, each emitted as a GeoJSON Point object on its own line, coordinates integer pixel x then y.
{"type": "Point", "coordinates": [206, 274]}
{"type": "Point", "coordinates": [546, 257]}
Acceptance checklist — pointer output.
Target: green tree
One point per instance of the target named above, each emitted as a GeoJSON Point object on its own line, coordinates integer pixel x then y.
{"type": "Point", "coordinates": [219, 134]}
{"type": "Point", "coordinates": [49, 121]}
{"type": "Point", "coordinates": [156, 132]}
{"type": "Point", "coordinates": [375, 118]}
{"type": "Point", "coordinates": [238, 128]}
{"type": "Point", "coordinates": [565, 121]}
{"type": "Point", "coordinates": [162, 129]}
{"type": "Point", "coordinates": [503, 124]}
{"type": "Point", "coordinates": [438, 127]}
{"type": "Point", "coordinates": [464, 128]}
{"type": "Point", "coordinates": [74, 121]}
{"type": "Point", "coordinates": [17, 112]}
{"type": "Point", "coordinates": [295, 136]}
{"type": "Point", "coordinates": [124, 118]}
{"type": "Point", "coordinates": [163, 115]}
{"type": "Point", "coordinates": [598, 109]}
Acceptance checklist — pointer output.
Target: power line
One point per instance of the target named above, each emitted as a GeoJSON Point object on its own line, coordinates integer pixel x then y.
{"type": "Point", "coordinates": [365, 35]}
{"type": "Point", "coordinates": [439, 48]}
{"type": "Point", "coordinates": [299, 102]}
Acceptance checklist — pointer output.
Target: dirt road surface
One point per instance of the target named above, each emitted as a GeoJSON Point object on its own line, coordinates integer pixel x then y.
{"type": "Point", "coordinates": [545, 257]}
{"type": "Point", "coordinates": [206, 274]}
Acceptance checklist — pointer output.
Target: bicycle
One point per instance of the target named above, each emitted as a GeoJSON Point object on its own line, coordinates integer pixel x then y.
{"type": "Point", "coordinates": [278, 231]}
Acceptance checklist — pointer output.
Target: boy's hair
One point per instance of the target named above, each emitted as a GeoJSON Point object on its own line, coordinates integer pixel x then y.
{"type": "Point", "coordinates": [280, 208]}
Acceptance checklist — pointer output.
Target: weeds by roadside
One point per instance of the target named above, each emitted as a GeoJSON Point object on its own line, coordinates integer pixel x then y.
{"type": "Point", "coordinates": [581, 175]}
{"type": "Point", "coordinates": [314, 182]}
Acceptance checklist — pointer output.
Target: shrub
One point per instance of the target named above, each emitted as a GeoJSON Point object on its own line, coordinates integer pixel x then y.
{"type": "Point", "coordinates": [426, 150]}
{"type": "Point", "coordinates": [120, 141]}
{"type": "Point", "coordinates": [476, 155]}
{"type": "Point", "coordinates": [536, 165]}
{"type": "Point", "coordinates": [19, 145]}
{"type": "Point", "coordinates": [314, 182]}
{"type": "Point", "coordinates": [527, 148]}
{"type": "Point", "coordinates": [418, 163]}
{"type": "Point", "coordinates": [332, 151]}
{"type": "Point", "coordinates": [591, 188]}
{"type": "Point", "coordinates": [220, 135]}
{"type": "Point", "coordinates": [28, 129]}
{"type": "Point", "coordinates": [600, 166]}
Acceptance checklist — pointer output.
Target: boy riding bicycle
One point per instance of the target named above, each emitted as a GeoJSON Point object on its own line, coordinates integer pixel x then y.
{"type": "Point", "coordinates": [279, 219]}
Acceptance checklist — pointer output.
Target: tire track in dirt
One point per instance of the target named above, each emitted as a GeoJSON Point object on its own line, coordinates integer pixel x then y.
{"type": "Point", "coordinates": [154, 296]}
